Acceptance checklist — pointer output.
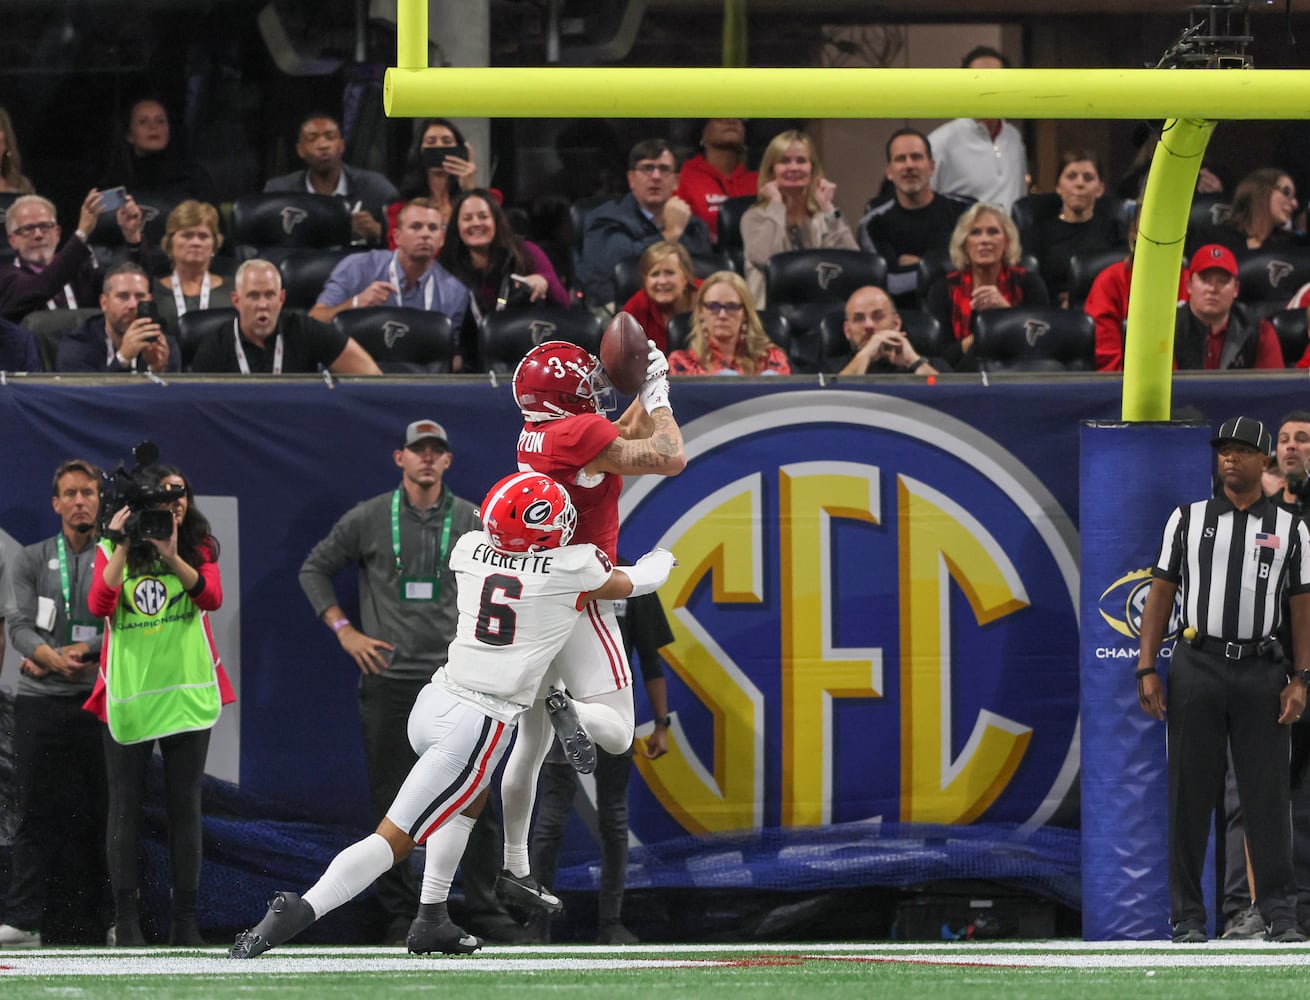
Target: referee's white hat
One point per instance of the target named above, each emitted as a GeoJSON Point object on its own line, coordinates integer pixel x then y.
{"type": "Point", "coordinates": [1247, 430]}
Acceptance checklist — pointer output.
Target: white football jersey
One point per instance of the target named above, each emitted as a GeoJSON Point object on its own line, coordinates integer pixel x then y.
{"type": "Point", "coordinates": [515, 612]}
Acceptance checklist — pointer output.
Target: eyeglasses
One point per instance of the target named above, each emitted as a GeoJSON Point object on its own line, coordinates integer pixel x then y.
{"type": "Point", "coordinates": [1287, 191]}
{"type": "Point", "coordinates": [655, 168]}
{"type": "Point", "coordinates": [731, 308]}
{"type": "Point", "coordinates": [32, 228]}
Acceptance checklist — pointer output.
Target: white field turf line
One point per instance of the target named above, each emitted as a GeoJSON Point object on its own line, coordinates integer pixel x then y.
{"type": "Point", "coordinates": [291, 960]}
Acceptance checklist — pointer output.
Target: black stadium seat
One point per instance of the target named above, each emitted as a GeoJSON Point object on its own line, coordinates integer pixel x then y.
{"type": "Point", "coordinates": [401, 339]}
{"type": "Point", "coordinates": [504, 337]}
{"type": "Point", "coordinates": [270, 225]}
{"type": "Point", "coordinates": [803, 285]}
{"type": "Point", "coordinates": [49, 326]}
{"type": "Point", "coordinates": [729, 229]}
{"type": "Point", "coordinates": [1268, 279]}
{"type": "Point", "coordinates": [1034, 339]}
{"type": "Point", "coordinates": [1290, 325]}
{"type": "Point", "coordinates": [826, 349]}
{"type": "Point", "coordinates": [1083, 269]}
{"type": "Point", "coordinates": [197, 325]}
{"type": "Point", "coordinates": [305, 272]}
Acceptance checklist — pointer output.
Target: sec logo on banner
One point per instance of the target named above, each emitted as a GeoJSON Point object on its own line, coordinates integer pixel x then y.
{"type": "Point", "coordinates": [874, 613]}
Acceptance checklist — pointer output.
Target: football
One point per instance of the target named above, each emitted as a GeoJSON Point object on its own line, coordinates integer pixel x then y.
{"type": "Point", "coordinates": [623, 351]}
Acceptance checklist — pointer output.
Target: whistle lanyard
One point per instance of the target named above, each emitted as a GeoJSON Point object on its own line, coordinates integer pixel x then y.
{"type": "Point", "coordinates": [63, 577]}
{"type": "Point", "coordinates": [179, 299]}
{"type": "Point", "coordinates": [242, 363]}
{"type": "Point", "coordinates": [429, 285]}
{"type": "Point", "coordinates": [395, 534]}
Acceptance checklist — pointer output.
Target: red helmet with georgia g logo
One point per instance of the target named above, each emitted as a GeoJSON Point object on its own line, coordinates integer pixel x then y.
{"type": "Point", "coordinates": [526, 512]}
{"type": "Point", "coordinates": [559, 379]}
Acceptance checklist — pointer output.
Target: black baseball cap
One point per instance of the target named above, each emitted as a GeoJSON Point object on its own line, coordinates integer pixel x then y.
{"type": "Point", "coordinates": [1247, 430]}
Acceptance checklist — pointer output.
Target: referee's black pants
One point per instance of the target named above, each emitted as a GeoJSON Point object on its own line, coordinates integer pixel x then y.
{"type": "Point", "coordinates": [1215, 703]}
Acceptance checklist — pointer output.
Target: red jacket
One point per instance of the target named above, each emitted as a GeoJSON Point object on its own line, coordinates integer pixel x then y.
{"type": "Point", "coordinates": [1107, 304]}
{"type": "Point", "coordinates": [702, 187]}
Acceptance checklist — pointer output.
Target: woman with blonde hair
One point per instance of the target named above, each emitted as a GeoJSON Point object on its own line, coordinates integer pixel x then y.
{"type": "Point", "coordinates": [794, 211]}
{"type": "Point", "coordinates": [668, 287]}
{"type": "Point", "coordinates": [985, 251]}
{"type": "Point", "coordinates": [191, 238]}
{"type": "Point", "coordinates": [11, 161]}
{"type": "Point", "coordinates": [726, 336]}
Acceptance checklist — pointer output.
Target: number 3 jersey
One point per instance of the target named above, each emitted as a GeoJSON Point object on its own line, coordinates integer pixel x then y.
{"type": "Point", "coordinates": [515, 613]}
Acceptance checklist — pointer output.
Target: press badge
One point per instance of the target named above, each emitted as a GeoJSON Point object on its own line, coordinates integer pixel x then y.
{"type": "Point", "coordinates": [420, 588]}
{"type": "Point", "coordinates": [45, 614]}
{"type": "Point", "coordinates": [84, 631]}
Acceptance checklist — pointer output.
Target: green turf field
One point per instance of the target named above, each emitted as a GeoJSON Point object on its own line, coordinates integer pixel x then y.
{"type": "Point", "coordinates": [1013, 971]}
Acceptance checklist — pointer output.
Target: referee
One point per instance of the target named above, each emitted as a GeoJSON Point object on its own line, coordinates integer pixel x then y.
{"type": "Point", "coordinates": [1234, 557]}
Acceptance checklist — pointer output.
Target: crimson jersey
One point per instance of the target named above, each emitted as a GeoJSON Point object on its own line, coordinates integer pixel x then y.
{"type": "Point", "coordinates": [560, 449]}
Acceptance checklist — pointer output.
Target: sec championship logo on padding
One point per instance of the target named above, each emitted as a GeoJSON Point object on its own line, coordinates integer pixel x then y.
{"type": "Point", "coordinates": [874, 615]}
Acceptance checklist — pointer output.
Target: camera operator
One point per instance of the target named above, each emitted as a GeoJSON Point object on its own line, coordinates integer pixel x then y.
{"type": "Point", "coordinates": [59, 760]}
{"type": "Point", "coordinates": [160, 678]}
{"type": "Point", "coordinates": [126, 337]}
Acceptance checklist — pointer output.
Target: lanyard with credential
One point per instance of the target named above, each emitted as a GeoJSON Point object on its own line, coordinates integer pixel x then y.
{"type": "Point", "coordinates": [179, 299]}
{"type": "Point", "coordinates": [51, 303]}
{"type": "Point", "coordinates": [395, 534]}
{"type": "Point", "coordinates": [242, 363]}
{"type": "Point", "coordinates": [63, 577]}
{"type": "Point", "coordinates": [393, 273]}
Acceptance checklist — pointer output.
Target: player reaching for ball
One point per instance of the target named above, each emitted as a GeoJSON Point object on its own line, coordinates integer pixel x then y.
{"type": "Point", "coordinates": [521, 588]}
{"type": "Point", "coordinates": [564, 395]}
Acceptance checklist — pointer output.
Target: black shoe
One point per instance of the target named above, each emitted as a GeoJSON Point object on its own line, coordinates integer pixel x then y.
{"type": "Point", "coordinates": [287, 916]}
{"type": "Point", "coordinates": [1285, 933]}
{"type": "Point", "coordinates": [433, 930]}
{"type": "Point", "coordinates": [1189, 934]}
{"type": "Point", "coordinates": [526, 892]}
{"type": "Point", "coordinates": [578, 747]}
{"type": "Point", "coordinates": [616, 934]}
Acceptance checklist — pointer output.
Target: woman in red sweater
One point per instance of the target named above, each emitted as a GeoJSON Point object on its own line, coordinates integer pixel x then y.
{"type": "Point", "coordinates": [668, 287]}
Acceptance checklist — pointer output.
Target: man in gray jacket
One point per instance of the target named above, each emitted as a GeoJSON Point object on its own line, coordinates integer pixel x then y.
{"type": "Point", "coordinates": [58, 751]}
{"type": "Point", "coordinates": [400, 541]}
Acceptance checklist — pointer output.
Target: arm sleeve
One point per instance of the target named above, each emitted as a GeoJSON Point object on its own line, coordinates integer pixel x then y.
{"type": "Point", "coordinates": [102, 598]}
{"type": "Point", "coordinates": [210, 597]}
{"type": "Point", "coordinates": [556, 294]}
{"type": "Point", "coordinates": [327, 341]}
{"type": "Point", "coordinates": [23, 632]}
{"type": "Point", "coordinates": [78, 354]}
{"type": "Point", "coordinates": [832, 232]}
{"type": "Point", "coordinates": [326, 560]}
{"type": "Point", "coordinates": [342, 283]}
{"type": "Point", "coordinates": [1169, 565]}
{"type": "Point", "coordinates": [22, 290]}
{"type": "Point", "coordinates": [1269, 352]}
{"type": "Point", "coordinates": [1104, 304]}
{"type": "Point", "coordinates": [764, 232]}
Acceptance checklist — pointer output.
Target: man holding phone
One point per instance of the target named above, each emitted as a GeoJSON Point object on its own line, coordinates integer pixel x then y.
{"type": "Point", "coordinates": [126, 336]}
{"type": "Point", "coordinates": [46, 278]}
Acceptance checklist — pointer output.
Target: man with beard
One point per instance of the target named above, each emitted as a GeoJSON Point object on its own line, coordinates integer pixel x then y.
{"type": "Point", "coordinates": [120, 339]}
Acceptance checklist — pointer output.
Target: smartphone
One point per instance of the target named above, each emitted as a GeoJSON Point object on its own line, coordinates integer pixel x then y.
{"type": "Point", "coordinates": [146, 309]}
{"type": "Point", "coordinates": [112, 199]}
{"type": "Point", "coordinates": [434, 157]}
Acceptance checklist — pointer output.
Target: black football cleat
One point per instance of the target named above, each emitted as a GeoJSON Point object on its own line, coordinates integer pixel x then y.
{"type": "Point", "coordinates": [287, 916]}
{"type": "Point", "coordinates": [526, 893]}
{"type": "Point", "coordinates": [433, 930]}
{"type": "Point", "coordinates": [578, 747]}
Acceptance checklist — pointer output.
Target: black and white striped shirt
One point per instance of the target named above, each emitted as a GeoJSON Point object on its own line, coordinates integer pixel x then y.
{"type": "Point", "coordinates": [1233, 566]}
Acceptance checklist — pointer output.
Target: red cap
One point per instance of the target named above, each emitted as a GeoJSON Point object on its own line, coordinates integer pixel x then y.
{"type": "Point", "coordinates": [1213, 255]}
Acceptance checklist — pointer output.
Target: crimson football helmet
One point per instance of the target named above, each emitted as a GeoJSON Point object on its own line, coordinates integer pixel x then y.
{"type": "Point", "coordinates": [559, 379]}
{"type": "Point", "coordinates": [526, 512]}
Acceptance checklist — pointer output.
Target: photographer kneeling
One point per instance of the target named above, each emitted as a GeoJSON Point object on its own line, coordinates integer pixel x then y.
{"type": "Point", "coordinates": [156, 576]}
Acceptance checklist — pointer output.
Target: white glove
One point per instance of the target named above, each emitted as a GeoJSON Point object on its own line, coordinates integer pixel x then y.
{"type": "Point", "coordinates": [655, 394]}
{"type": "Point", "coordinates": [659, 364]}
{"type": "Point", "coordinates": [651, 571]}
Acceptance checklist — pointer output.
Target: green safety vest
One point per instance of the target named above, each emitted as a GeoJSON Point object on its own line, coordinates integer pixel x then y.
{"type": "Point", "coordinates": [160, 673]}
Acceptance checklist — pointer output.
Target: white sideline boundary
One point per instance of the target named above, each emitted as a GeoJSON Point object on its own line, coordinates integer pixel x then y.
{"type": "Point", "coordinates": [20, 964]}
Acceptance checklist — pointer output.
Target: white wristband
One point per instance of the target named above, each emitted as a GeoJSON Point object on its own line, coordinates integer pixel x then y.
{"type": "Point", "coordinates": [354, 303]}
{"type": "Point", "coordinates": [651, 571]}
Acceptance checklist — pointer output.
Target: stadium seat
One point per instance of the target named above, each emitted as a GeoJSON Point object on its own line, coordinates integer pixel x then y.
{"type": "Point", "coordinates": [271, 225]}
{"type": "Point", "coordinates": [197, 325]}
{"type": "Point", "coordinates": [627, 273]}
{"type": "Point", "coordinates": [399, 339]}
{"type": "Point", "coordinates": [155, 209]}
{"type": "Point", "coordinates": [1033, 339]}
{"type": "Point", "coordinates": [729, 231]}
{"type": "Point", "coordinates": [7, 198]}
{"type": "Point", "coordinates": [1290, 325]}
{"type": "Point", "coordinates": [504, 337]}
{"type": "Point", "coordinates": [803, 285]}
{"type": "Point", "coordinates": [825, 348]}
{"type": "Point", "coordinates": [305, 272]}
{"type": "Point", "coordinates": [49, 326]}
{"type": "Point", "coordinates": [1268, 279]}
{"type": "Point", "coordinates": [1083, 269]}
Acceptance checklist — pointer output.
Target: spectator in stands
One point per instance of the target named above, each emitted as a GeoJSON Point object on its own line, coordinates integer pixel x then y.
{"type": "Point", "coordinates": [1213, 331]}
{"type": "Point", "coordinates": [18, 351]}
{"type": "Point", "coordinates": [649, 212]}
{"type": "Point", "coordinates": [499, 269]}
{"type": "Point", "coordinates": [59, 758]}
{"type": "Point", "coordinates": [1078, 228]}
{"type": "Point", "coordinates": [794, 211]}
{"type": "Point", "coordinates": [985, 251]}
{"type": "Point", "coordinates": [668, 287]}
{"type": "Point", "coordinates": [42, 278]}
{"type": "Point", "coordinates": [726, 335]}
{"type": "Point", "coordinates": [981, 158]}
{"type": "Point", "coordinates": [916, 220]}
{"type": "Point", "coordinates": [191, 238]}
{"type": "Point", "coordinates": [1260, 218]}
{"type": "Point", "coordinates": [1107, 304]}
{"type": "Point", "coordinates": [120, 339]}
{"type": "Point", "coordinates": [718, 172]}
{"type": "Point", "coordinates": [268, 341]}
{"type": "Point", "coordinates": [434, 171]}
{"type": "Point", "coordinates": [321, 146]}
{"type": "Point", "coordinates": [11, 160]}
{"type": "Point", "coordinates": [145, 160]}
{"type": "Point", "coordinates": [409, 276]}
{"type": "Point", "coordinates": [878, 344]}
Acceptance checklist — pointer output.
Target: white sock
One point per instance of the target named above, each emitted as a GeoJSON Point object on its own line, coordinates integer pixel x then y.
{"type": "Point", "coordinates": [445, 847]}
{"type": "Point", "coordinates": [518, 784]}
{"type": "Point", "coordinates": [516, 860]}
{"type": "Point", "coordinates": [609, 719]}
{"type": "Point", "coordinates": [350, 873]}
